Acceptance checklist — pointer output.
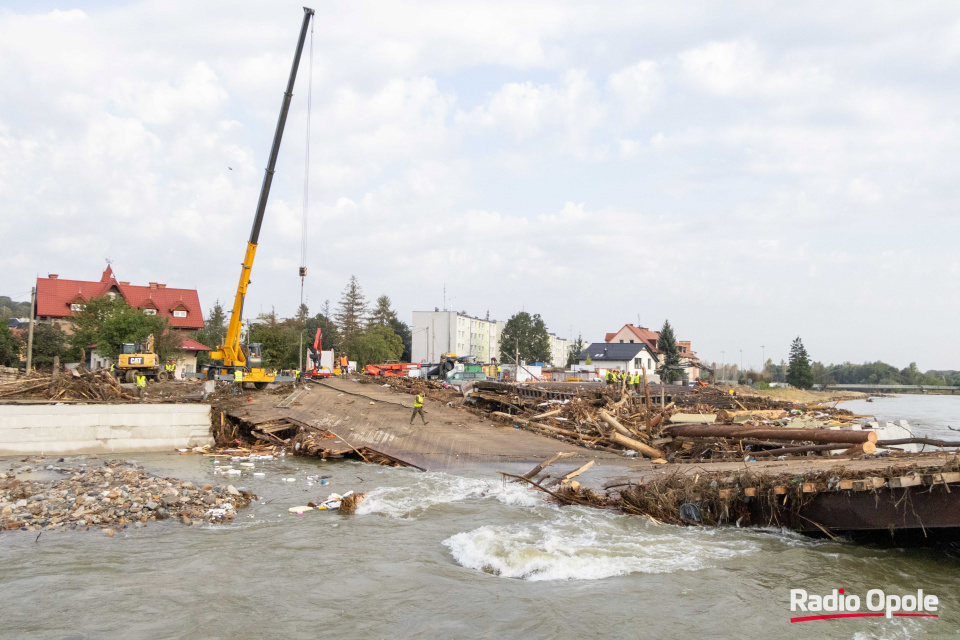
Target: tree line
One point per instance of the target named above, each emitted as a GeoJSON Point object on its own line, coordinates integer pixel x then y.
{"type": "Point", "coordinates": [799, 371]}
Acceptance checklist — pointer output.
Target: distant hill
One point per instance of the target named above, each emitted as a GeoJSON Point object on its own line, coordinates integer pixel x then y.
{"type": "Point", "coordinates": [12, 309]}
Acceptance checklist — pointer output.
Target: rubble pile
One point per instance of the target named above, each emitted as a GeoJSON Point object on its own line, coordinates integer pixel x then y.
{"type": "Point", "coordinates": [113, 495]}
{"type": "Point", "coordinates": [708, 424]}
{"type": "Point", "coordinates": [74, 384]}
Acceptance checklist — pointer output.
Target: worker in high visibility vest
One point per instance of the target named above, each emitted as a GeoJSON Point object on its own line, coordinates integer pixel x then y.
{"type": "Point", "coordinates": [344, 365]}
{"type": "Point", "coordinates": [636, 381]}
{"type": "Point", "coordinates": [629, 382]}
{"type": "Point", "coordinates": [499, 373]}
{"type": "Point", "coordinates": [141, 384]}
{"type": "Point", "coordinates": [237, 382]}
{"type": "Point", "coordinates": [609, 376]}
{"type": "Point", "coordinates": [418, 408]}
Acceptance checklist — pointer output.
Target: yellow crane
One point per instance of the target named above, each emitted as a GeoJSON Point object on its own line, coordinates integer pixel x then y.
{"type": "Point", "coordinates": [231, 355]}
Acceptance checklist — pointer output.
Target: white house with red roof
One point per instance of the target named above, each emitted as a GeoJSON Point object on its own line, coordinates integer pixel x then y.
{"type": "Point", "coordinates": [58, 299]}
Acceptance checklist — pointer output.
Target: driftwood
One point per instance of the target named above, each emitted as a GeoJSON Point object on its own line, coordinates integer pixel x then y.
{"type": "Point", "coordinates": [636, 445]}
{"type": "Point", "coordinates": [613, 423]}
{"type": "Point", "coordinates": [543, 465]}
{"type": "Point", "coordinates": [863, 447]}
{"type": "Point", "coordinates": [548, 414]}
{"type": "Point", "coordinates": [822, 436]}
{"type": "Point", "coordinates": [573, 474]}
{"type": "Point", "coordinates": [930, 441]}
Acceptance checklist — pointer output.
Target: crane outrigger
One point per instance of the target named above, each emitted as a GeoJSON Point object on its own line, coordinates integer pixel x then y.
{"type": "Point", "coordinates": [231, 356]}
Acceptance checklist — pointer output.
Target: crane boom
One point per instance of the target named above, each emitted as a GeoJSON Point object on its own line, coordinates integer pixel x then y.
{"type": "Point", "coordinates": [230, 355]}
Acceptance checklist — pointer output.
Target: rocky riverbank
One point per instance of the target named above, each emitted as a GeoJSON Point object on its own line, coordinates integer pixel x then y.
{"type": "Point", "coordinates": [110, 495]}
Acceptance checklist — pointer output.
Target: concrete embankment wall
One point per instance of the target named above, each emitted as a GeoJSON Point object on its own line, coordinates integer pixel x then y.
{"type": "Point", "coordinates": [92, 428]}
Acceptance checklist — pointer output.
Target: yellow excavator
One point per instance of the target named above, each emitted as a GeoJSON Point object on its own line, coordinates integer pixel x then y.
{"type": "Point", "coordinates": [231, 356]}
{"type": "Point", "coordinates": [137, 358]}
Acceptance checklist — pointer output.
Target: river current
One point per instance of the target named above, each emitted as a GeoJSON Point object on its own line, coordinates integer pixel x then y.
{"type": "Point", "coordinates": [433, 555]}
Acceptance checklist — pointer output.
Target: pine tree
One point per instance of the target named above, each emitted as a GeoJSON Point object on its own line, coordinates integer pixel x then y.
{"type": "Point", "coordinates": [350, 313]}
{"type": "Point", "coordinates": [382, 315]}
{"type": "Point", "coordinates": [669, 369]}
{"type": "Point", "coordinates": [799, 372]}
{"type": "Point", "coordinates": [303, 312]}
{"type": "Point", "coordinates": [575, 350]}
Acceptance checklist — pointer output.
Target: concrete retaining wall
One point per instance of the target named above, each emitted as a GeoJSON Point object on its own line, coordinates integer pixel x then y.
{"type": "Point", "coordinates": [68, 429]}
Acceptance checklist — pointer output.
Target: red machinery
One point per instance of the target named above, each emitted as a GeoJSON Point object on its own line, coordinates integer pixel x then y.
{"type": "Point", "coordinates": [391, 369]}
{"type": "Point", "coordinates": [313, 355]}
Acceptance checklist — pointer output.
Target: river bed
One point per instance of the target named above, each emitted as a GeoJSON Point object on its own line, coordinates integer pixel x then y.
{"type": "Point", "coordinates": [433, 555]}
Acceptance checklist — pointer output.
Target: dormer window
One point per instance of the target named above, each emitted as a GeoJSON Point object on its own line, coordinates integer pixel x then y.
{"type": "Point", "coordinates": [179, 314]}
{"type": "Point", "coordinates": [149, 312]}
{"type": "Point", "coordinates": [76, 308]}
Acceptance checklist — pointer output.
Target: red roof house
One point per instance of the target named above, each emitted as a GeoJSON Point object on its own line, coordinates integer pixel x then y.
{"type": "Point", "coordinates": [59, 299]}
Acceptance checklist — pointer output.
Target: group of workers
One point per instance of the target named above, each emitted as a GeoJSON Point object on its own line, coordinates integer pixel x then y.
{"type": "Point", "coordinates": [624, 379]}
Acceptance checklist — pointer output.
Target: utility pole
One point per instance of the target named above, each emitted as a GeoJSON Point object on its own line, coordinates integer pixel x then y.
{"type": "Point", "coordinates": [33, 304]}
{"type": "Point", "coordinates": [723, 366]}
{"type": "Point", "coordinates": [763, 365]}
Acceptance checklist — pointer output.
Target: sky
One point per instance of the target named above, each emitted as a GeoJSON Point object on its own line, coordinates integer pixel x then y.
{"type": "Point", "coordinates": [751, 171]}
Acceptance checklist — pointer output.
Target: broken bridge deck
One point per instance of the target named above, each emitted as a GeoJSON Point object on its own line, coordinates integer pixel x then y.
{"type": "Point", "coordinates": [378, 418]}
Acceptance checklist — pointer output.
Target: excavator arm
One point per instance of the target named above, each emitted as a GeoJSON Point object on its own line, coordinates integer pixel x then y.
{"type": "Point", "coordinates": [230, 354]}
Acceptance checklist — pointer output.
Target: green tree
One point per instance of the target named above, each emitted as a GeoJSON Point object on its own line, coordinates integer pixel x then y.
{"type": "Point", "coordinates": [350, 313]}
{"type": "Point", "coordinates": [528, 334]}
{"type": "Point", "coordinates": [376, 344]}
{"type": "Point", "coordinates": [382, 314]}
{"type": "Point", "coordinates": [799, 372]}
{"type": "Point", "coordinates": [108, 323]}
{"type": "Point", "coordinates": [669, 368]}
{"type": "Point", "coordinates": [402, 329]}
{"type": "Point", "coordinates": [11, 309]}
{"type": "Point", "coordinates": [49, 341]}
{"type": "Point", "coordinates": [9, 349]}
{"type": "Point", "coordinates": [575, 350]}
{"type": "Point", "coordinates": [280, 344]}
{"type": "Point", "coordinates": [303, 312]}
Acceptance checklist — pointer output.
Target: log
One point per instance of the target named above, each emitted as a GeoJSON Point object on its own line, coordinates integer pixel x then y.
{"type": "Point", "coordinates": [613, 423]}
{"type": "Point", "coordinates": [930, 441]}
{"type": "Point", "coordinates": [543, 465]}
{"type": "Point", "coordinates": [743, 416]}
{"type": "Point", "coordinates": [636, 445]}
{"type": "Point", "coordinates": [867, 447]}
{"type": "Point", "coordinates": [533, 425]}
{"type": "Point", "coordinates": [548, 414]}
{"type": "Point", "coordinates": [693, 418]}
{"type": "Point", "coordinates": [573, 474]}
{"type": "Point", "coordinates": [821, 436]}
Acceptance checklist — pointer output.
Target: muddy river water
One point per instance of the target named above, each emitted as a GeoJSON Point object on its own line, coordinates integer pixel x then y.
{"type": "Point", "coordinates": [432, 555]}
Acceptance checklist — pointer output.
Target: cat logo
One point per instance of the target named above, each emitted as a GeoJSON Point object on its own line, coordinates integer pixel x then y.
{"type": "Point", "coordinates": [137, 360]}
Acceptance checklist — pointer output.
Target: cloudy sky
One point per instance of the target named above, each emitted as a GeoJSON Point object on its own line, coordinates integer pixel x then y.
{"type": "Point", "coordinates": [752, 171]}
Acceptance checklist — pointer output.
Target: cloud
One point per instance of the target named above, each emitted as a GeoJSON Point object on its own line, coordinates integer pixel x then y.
{"type": "Point", "coordinates": [715, 165]}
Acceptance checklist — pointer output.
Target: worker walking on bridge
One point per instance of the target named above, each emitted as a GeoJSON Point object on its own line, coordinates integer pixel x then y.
{"type": "Point", "coordinates": [418, 408]}
{"type": "Point", "coordinates": [237, 382]}
{"type": "Point", "coordinates": [141, 385]}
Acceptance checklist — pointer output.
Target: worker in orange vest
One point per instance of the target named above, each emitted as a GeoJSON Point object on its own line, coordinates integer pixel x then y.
{"type": "Point", "coordinates": [344, 365]}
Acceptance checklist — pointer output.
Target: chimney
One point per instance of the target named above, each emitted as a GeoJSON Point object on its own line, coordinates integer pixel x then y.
{"type": "Point", "coordinates": [52, 276]}
{"type": "Point", "coordinates": [604, 352]}
{"type": "Point", "coordinates": [153, 285]}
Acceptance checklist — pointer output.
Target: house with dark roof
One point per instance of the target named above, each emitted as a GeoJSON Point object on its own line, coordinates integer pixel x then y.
{"type": "Point", "coordinates": [629, 334]}
{"type": "Point", "coordinates": [58, 299]}
{"type": "Point", "coordinates": [626, 356]}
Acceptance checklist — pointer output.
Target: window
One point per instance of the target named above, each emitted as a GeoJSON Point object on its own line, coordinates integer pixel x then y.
{"type": "Point", "coordinates": [76, 307]}
{"type": "Point", "coordinates": [636, 363]}
{"type": "Point", "coordinates": [179, 314]}
{"type": "Point", "coordinates": [149, 312]}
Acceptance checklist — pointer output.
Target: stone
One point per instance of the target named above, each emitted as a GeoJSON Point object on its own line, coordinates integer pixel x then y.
{"type": "Point", "coordinates": [7, 511]}
{"type": "Point", "coordinates": [232, 490]}
{"type": "Point", "coordinates": [207, 487]}
{"type": "Point", "coordinates": [151, 505]}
